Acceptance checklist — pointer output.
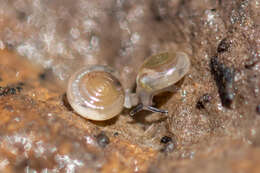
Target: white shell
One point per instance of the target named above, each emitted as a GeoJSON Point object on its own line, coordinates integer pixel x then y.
{"type": "Point", "coordinates": [95, 93]}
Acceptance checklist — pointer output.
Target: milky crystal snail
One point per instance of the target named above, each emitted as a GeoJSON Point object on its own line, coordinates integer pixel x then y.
{"type": "Point", "coordinates": [96, 93]}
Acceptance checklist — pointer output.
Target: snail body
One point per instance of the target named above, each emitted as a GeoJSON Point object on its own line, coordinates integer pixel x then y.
{"type": "Point", "coordinates": [95, 92]}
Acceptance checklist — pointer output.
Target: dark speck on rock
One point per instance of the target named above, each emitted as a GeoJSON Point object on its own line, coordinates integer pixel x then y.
{"type": "Point", "coordinates": [21, 84]}
{"type": "Point", "coordinates": [116, 134]}
{"type": "Point", "coordinates": [21, 15]}
{"type": "Point", "coordinates": [12, 91]}
{"type": "Point", "coordinates": [42, 76]}
{"type": "Point", "coordinates": [102, 140]}
{"type": "Point", "coordinates": [203, 100]}
{"type": "Point", "coordinates": [168, 144]}
{"type": "Point", "coordinates": [9, 108]}
{"type": "Point", "coordinates": [223, 46]}
{"type": "Point", "coordinates": [4, 91]}
{"type": "Point", "coordinates": [251, 62]}
{"type": "Point", "coordinates": [166, 139]}
{"type": "Point", "coordinates": [258, 109]}
{"type": "Point", "coordinates": [224, 78]}
{"type": "Point", "coordinates": [18, 88]}
{"type": "Point", "coordinates": [158, 18]}
{"type": "Point", "coordinates": [10, 46]}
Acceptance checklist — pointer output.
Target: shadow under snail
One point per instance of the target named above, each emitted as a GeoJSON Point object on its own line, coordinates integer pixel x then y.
{"type": "Point", "coordinates": [96, 93]}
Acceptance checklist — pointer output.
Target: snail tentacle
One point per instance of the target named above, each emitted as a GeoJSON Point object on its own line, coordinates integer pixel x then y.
{"type": "Point", "coordinates": [141, 107]}
{"type": "Point", "coordinates": [154, 109]}
{"type": "Point", "coordinates": [136, 109]}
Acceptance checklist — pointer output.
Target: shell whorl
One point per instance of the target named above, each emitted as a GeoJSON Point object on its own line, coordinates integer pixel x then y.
{"type": "Point", "coordinates": [95, 93]}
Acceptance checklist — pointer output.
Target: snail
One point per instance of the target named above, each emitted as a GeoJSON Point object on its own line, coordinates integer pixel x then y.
{"type": "Point", "coordinates": [159, 73]}
{"type": "Point", "coordinates": [96, 93]}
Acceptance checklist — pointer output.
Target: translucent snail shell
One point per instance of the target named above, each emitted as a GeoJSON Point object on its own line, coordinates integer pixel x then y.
{"type": "Point", "coordinates": [159, 73]}
{"type": "Point", "coordinates": [95, 93]}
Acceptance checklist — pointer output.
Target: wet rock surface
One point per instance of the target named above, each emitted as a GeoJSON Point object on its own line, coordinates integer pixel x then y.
{"type": "Point", "coordinates": [213, 119]}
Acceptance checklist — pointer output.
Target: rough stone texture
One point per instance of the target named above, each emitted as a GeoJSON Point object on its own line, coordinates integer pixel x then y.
{"type": "Point", "coordinates": [213, 118]}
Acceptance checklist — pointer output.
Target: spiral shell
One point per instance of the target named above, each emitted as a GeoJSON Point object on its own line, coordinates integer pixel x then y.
{"type": "Point", "coordinates": [95, 93]}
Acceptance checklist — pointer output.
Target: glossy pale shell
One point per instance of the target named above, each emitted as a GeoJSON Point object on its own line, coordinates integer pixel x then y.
{"type": "Point", "coordinates": [161, 71]}
{"type": "Point", "coordinates": [95, 93]}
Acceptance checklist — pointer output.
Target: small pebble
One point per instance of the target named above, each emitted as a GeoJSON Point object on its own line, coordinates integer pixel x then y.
{"type": "Point", "coordinates": [4, 91]}
{"type": "Point", "coordinates": [116, 134]}
{"type": "Point", "coordinates": [102, 140]}
{"type": "Point", "coordinates": [42, 76]}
